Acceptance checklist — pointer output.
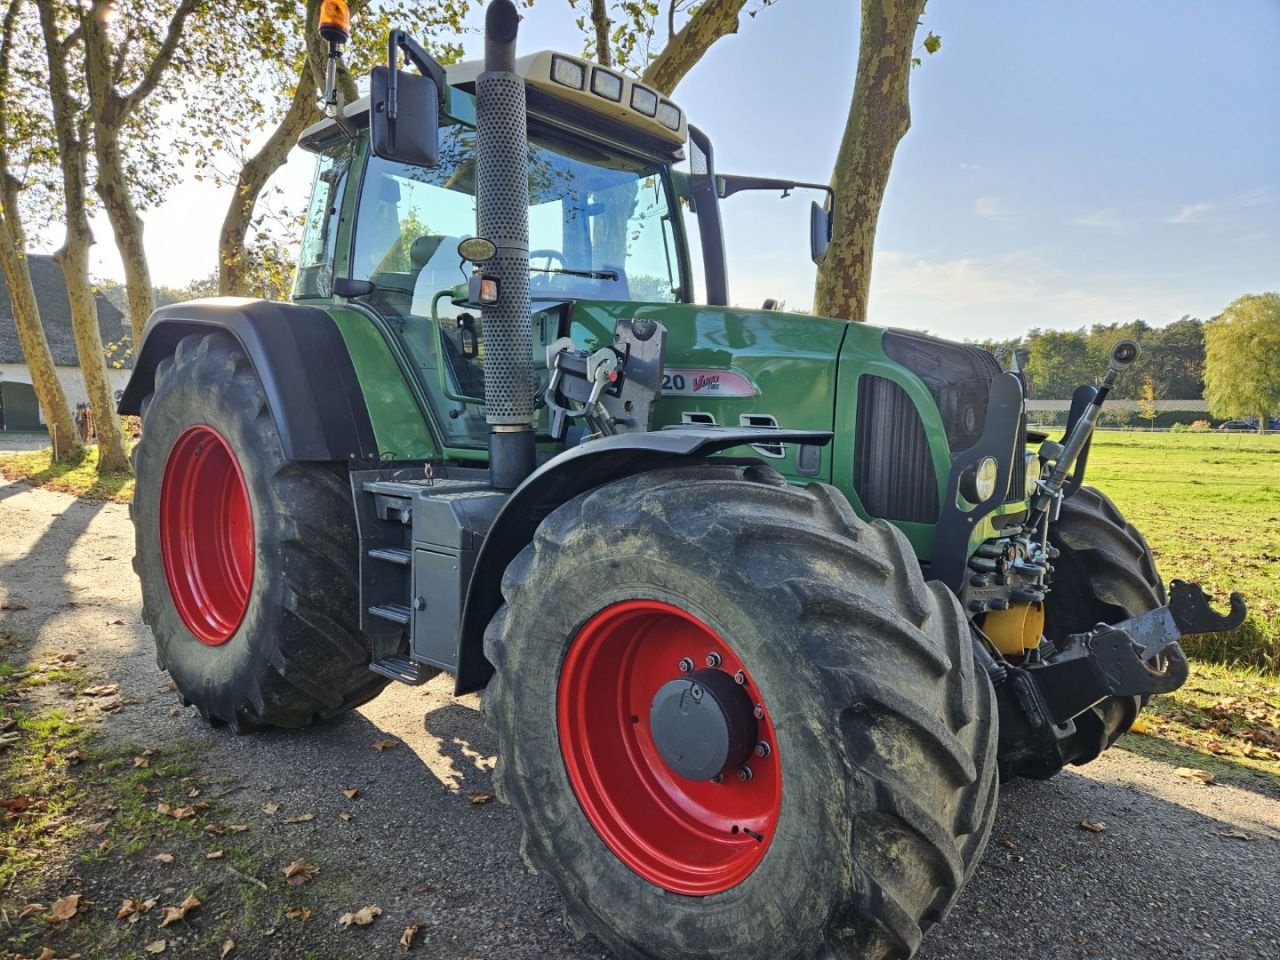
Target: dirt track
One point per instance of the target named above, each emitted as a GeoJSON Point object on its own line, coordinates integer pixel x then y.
{"type": "Point", "coordinates": [1164, 880]}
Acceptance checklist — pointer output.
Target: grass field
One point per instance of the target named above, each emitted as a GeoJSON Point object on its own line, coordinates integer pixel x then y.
{"type": "Point", "coordinates": [80, 479]}
{"type": "Point", "coordinates": [1209, 505]}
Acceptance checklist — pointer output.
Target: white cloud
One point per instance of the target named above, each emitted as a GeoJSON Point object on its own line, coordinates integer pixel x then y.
{"type": "Point", "coordinates": [992, 208]}
{"type": "Point", "coordinates": [1213, 210]}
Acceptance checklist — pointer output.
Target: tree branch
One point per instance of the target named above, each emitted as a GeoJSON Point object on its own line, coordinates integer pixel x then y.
{"type": "Point", "coordinates": [600, 23]}
{"type": "Point", "coordinates": [711, 21]}
{"type": "Point", "coordinates": [161, 60]}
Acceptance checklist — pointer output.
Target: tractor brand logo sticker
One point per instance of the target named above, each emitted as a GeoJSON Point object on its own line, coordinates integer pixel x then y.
{"type": "Point", "coordinates": [703, 383]}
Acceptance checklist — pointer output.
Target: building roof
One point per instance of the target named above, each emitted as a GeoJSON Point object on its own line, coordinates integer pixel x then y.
{"type": "Point", "coordinates": [55, 314]}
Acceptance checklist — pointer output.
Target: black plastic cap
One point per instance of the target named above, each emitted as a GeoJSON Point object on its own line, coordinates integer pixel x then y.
{"type": "Point", "coordinates": [501, 21]}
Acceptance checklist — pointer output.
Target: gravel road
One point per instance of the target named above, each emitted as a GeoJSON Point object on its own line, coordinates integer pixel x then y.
{"type": "Point", "coordinates": [1170, 877]}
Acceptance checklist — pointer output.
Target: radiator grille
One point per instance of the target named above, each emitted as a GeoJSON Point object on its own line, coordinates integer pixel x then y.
{"type": "Point", "coordinates": [893, 470]}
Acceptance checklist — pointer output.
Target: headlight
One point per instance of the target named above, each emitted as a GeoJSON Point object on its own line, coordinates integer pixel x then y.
{"type": "Point", "coordinates": [644, 100]}
{"type": "Point", "coordinates": [606, 84]}
{"type": "Point", "coordinates": [1033, 473]}
{"type": "Point", "coordinates": [568, 72]}
{"type": "Point", "coordinates": [980, 480]}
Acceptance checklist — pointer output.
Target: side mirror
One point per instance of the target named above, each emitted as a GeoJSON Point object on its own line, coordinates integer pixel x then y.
{"type": "Point", "coordinates": [819, 232]}
{"type": "Point", "coordinates": [404, 117]}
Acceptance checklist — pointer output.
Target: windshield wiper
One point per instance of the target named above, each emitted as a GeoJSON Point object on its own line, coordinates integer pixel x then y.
{"type": "Point", "coordinates": [592, 274]}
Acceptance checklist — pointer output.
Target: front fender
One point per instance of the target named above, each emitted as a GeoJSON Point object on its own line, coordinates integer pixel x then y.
{"type": "Point", "coordinates": [559, 480]}
{"type": "Point", "coordinates": [300, 357]}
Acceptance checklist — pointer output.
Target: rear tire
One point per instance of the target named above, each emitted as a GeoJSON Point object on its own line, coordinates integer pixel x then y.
{"type": "Point", "coordinates": [885, 737]}
{"type": "Point", "coordinates": [1105, 573]}
{"type": "Point", "coordinates": [248, 561]}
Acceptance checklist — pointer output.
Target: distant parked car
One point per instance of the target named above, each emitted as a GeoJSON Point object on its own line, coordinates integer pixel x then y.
{"type": "Point", "coordinates": [1251, 425]}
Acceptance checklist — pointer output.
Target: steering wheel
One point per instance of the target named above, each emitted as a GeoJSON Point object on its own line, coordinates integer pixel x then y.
{"type": "Point", "coordinates": [548, 255]}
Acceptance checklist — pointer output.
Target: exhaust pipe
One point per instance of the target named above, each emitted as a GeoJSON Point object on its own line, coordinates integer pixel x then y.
{"type": "Point", "coordinates": [502, 215]}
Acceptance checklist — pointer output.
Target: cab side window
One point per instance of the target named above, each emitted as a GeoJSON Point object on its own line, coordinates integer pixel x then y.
{"type": "Point", "coordinates": [320, 237]}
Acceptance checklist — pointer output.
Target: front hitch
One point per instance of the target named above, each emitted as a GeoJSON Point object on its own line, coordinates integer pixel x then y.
{"type": "Point", "coordinates": [1137, 657]}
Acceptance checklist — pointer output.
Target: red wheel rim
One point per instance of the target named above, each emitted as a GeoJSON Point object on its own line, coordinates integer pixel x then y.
{"type": "Point", "coordinates": [686, 836]}
{"type": "Point", "coordinates": [206, 534]}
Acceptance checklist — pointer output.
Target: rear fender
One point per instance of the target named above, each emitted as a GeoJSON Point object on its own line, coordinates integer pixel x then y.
{"type": "Point", "coordinates": [300, 357]}
{"type": "Point", "coordinates": [559, 480]}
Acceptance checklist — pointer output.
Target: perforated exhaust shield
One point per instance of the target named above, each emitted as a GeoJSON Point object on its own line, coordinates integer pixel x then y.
{"type": "Point", "coordinates": [502, 198]}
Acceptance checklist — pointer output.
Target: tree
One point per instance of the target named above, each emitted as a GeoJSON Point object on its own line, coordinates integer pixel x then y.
{"type": "Point", "coordinates": [879, 118]}
{"type": "Point", "coordinates": [72, 124]}
{"type": "Point", "coordinates": [1147, 408]}
{"type": "Point", "coordinates": [1242, 359]}
{"type": "Point", "coordinates": [1058, 361]}
{"type": "Point", "coordinates": [124, 63]}
{"type": "Point", "coordinates": [21, 148]}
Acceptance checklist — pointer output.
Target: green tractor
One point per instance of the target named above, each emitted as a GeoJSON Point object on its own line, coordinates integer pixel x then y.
{"type": "Point", "coordinates": [764, 606]}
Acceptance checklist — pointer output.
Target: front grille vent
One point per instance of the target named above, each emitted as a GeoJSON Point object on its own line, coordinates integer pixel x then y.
{"type": "Point", "coordinates": [893, 471]}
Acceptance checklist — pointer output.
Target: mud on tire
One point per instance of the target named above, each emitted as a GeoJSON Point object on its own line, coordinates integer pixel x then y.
{"type": "Point", "coordinates": [298, 653]}
{"type": "Point", "coordinates": [886, 732]}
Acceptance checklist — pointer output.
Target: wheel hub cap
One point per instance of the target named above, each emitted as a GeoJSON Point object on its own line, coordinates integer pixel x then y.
{"type": "Point", "coordinates": [702, 724]}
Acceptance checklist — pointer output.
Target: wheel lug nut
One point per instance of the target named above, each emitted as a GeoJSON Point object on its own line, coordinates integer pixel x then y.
{"type": "Point", "coordinates": [718, 778]}
{"type": "Point", "coordinates": [744, 773]}
{"type": "Point", "coordinates": [740, 678]}
{"type": "Point", "coordinates": [713, 659]}
{"type": "Point", "coordinates": [696, 692]}
{"type": "Point", "coordinates": [763, 749]}
{"type": "Point", "coordinates": [758, 712]}
{"type": "Point", "coordinates": [686, 665]}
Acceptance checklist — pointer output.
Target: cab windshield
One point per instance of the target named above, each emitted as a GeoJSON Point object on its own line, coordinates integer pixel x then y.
{"type": "Point", "coordinates": [600, 227]}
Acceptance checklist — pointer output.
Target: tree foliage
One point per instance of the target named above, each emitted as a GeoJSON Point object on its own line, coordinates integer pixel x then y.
{"type": "Point", "coordinates": [1242, 359]}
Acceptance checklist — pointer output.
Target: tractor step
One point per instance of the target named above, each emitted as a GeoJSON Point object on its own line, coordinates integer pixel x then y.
{"type": "Point", "coordinates": [394, 612]}
{"type": "Point", "coordinates": [397, 555]}
{"type": "Point", "coordinates": [411, 488]}
{"type": "Point", "coordinates": [403, 669]}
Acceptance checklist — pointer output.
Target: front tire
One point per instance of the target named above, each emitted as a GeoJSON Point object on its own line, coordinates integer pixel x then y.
{"type": "Point", "coordinates": [247, 560]}
{"type": "Point", "coordinates": [873, 801]}
{"type": "Point", "coordinates": [1105, 573]}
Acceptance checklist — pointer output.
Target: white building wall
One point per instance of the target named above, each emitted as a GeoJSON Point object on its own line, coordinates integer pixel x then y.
{"type": "Point", "coordinates": [72, 381]}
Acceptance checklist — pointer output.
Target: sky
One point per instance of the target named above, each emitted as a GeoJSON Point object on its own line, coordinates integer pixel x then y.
{"type": "Point", "coordinates": [1069, 163]}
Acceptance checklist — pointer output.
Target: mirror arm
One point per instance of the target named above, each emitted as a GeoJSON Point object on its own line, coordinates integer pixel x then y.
{"type": "Point", "coordinates": [418, 56]}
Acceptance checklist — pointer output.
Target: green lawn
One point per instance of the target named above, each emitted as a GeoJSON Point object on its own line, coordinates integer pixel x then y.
{"type": "Point", "coordinates": [1209, 505]}
{"type": "Point", "coordinates": [80, 479]}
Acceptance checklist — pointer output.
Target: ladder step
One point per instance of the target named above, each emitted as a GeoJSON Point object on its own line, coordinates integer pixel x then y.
{"type": "Point", "coordinates": [395, 612]}
{"type": "Point", "coordinates": [397, 555]}
{"type": "Point", "coordinates": [403, 669]}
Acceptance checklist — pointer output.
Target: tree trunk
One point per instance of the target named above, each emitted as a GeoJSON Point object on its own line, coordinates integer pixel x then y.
{"type": "Point", "coordinates": [72, 126]}
{"type": "Point", "coordinates": [601, 27]}
{"type": "Point", "coordinates": [35, 347]}
{"type": "Point", "coordinates": [253, 176]}
{"type": "Point", "coordinates": [112, 187]}
{"type": "Point", "coordinates": [879, 117]}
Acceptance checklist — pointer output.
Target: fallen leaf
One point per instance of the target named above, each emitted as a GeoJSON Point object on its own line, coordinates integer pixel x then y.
{"type": "Point", "coordinates": [156, 946]}
{"type": "Point", "coordinates": [361, 918]}
{"type": "Point", "coordinates": [237, 827]}
{"type": "Point", "coordinates": [476, 799]}
{"type": "Point", "coordinates": [31, 909]}
{"type": "Point", "coordinates": [75, 756]}
{"type": "Point", "coordinates": [227, 947]}
{"type": "Point", "coordinates": [16, 805]}
{"type": "Point", "coordinates": [299, 872]}
{"type": "Point", "coordinates": [1093, 826]}
{"type": "Point", "coordinates": [98, 828]}
{"type": "Point", "coordinates": [200, 805]}
{"type": "Point", "coordinates": [8, 723]}
{"type": "Point", "coordinates": [215, 855]}
{"type": "Point", "coordinates": [352, 793]}
{"type": "Point", "coordinates": [101, 690]}
{"type": "Point", "coordinates": [193, 792]}
{"type": "Point", "coordinates": [381, 745]}
{"type": "Point", "coordinates": [174, 914]}
{"type": "Point", "coordinates": [1192, 773]}
{"type": "Point", "coordinates": [45, 954]}
{"type": "Point", "coordinates": [64, 909]}
{"type": "Point", "coordinates": [115, 623]}
{"type": "Point", "coordinates": [1007, 844]}
{"type": "Point", "coordinates": [406, 938]}
{"type": "Point", "coordinates": [14, 606]}
{"type": "Point", "coordinates": [163, 857]}
{"type": "Point", "coordinates": [178, 813]}
{"type": "Point", "coordinates": [271, 809]}
{"type": "Point", "coordinates": [1237, 835]}
{"type": "Point", "coordinates": [298, 913]}
{"type": "Point", "coordinates": [301, 818]}
{"type": "Point", "coordinates": [127, 909]}
{"type": "Point", "coordinates": [344, 815]}
{"type": "Point", "coordinates": [216, 829]}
